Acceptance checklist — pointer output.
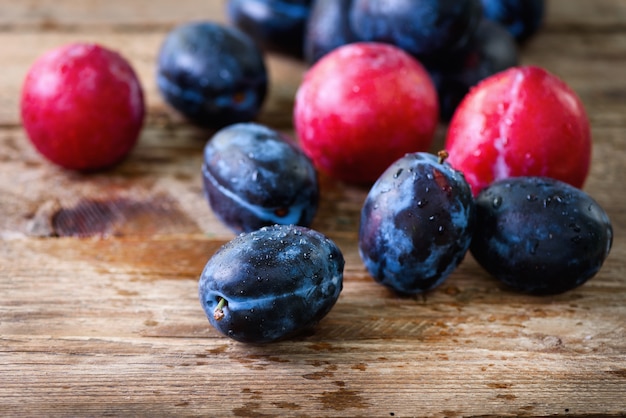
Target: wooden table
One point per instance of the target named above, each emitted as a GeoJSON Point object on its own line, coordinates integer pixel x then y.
{"type": "Point", "coordinates": [99, 313]}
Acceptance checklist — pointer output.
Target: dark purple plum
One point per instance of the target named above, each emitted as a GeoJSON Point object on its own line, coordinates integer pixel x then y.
{"type": "Point", "coordinates": [522, 18]}
{"type": "Point", "coordinates": [214, 75]}
{"type": "Point", "coordinates": [254, 176]}
{"type": "Point", "coordinates": [540, 235]}
{"type": "Point", "coordinates": [491, 49]}
{"type": "Point", "coordinates": [277, 25]}
{"type": "Point", "coordinates": [272, 283]}
{"type": "Point", "coordinates": [420, 27]}
{"type": "Point", "coordinates": [328, 27]}
{"type": "Point", "coordinates": [416, 223]}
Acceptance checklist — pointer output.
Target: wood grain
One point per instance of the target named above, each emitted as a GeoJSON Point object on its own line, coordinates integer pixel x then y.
{"type": "Point", "coordinates": [99, 313]}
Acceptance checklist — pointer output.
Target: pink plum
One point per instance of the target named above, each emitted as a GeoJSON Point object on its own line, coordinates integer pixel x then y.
{"type": "Point", "coordinates": [361, 107]}
{"type": "Point", "coordinates": [523, 121]}
{"type": "Point", "coordinates": [82, 106]}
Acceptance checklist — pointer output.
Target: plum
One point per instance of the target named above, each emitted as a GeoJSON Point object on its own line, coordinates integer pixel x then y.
{"type": "Point", "coordinates": [361, 107]}
{"type": "Point", "coordinates": [524, 121]}
{"type": "Point", "coordinates": [420, 27]}
{"type": "Point", "coordinates": [416, 223]}
{"type": "Point", "coordinates": [328, 28]}
{"type": "Point", "coordinates": [272, 283]}
{"type": "Point", "coordinates": [214, 75]}
{"type": "Point", "coordinates": [82, 106]}
{"type": "Point", "coordinates": [522, 18]}
{"type": "Point", "coordinates": [277, 25]}
{"type": "Point", "coordinates": [540, 235]}
{"type": "Point", "coordinates": [254, 176]}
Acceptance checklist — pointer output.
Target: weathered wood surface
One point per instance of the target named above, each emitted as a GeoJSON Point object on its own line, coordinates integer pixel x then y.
{"type": "Point", "coordinates": [99, 312]}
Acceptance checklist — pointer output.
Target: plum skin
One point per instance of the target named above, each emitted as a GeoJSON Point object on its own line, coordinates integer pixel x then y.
{"type": "Point", "coordinates": [277, 25]}
{"type": "Point", "coordinates": [253, 176]}
{"type": "Point", "coordinates": [82, 106]}
{"type": "Point", "coordinates": [420, 27]}
{"type": "Point", "coordinates": [277, 281]}
{"type": "Point", "coordinates": [539, 235]}
{"type": "Point", "coordinates": [416, 224]}
{"type": "Point", "coordinates": [490, 49]}
{"type": "Point", "coordinates": [328, 27]}
{"type": "Point", "coordinates": [214, 75]}
{"type": "Point", "coordinates": [522, 18]}
{"type": "Point", "coordinates": [361, 107]}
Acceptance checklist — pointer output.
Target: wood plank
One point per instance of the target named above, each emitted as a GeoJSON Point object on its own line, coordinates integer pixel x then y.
{"type": "Point", "coordinates": [112, 313]}
{"type": "Point", "coordinates": [583, 15]}
{"type": "Point", "coordinates": [457, 348]}
{"type": "Point", "coordinates": [136, 274]}
{"type": "Point", "coordinates": [223, 379]}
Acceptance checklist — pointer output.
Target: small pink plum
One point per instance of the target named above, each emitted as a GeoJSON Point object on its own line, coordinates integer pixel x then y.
{"type": "Point", "coordinates": [361, 107]}
{"type": "Point", "coordinates": [82, 106]}
{"type": "Point", "coordinates": [523, 121]}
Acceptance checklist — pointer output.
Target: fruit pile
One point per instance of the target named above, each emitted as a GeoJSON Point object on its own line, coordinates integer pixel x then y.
{"type": "Point", "coordinates": [382, 78]}
{"type": "Point", "coordinates": [459, 41]}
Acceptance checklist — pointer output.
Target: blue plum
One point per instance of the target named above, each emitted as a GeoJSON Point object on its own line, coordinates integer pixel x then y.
{"type": "Point", "coordinates": [420, 27]}
{"type": "Point", "coordinates": [416, 223]}
{"type": "Point", "coordinates": [254, 176]}
{"type": "Point", "coordinates": [491, 49]}
{"type": "Point", "coordinates": [272, 283]}
{"type": "Point", "coordinates": [328, 27]}
{"type": "Point", "coordinates": [522, 18]}
{"type": "Point", "coordinates": [539, 235]}
{"type": "Point", "coordinates": [214, 75]}
{"type": "Point", "coordinates": [277, 25]}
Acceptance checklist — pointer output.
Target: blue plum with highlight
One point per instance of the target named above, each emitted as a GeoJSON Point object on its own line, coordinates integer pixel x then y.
{"type": "Point", "coordinates": [420, 27]}
{"type": "Point", "coordinates": [254, 176]}
{"type": "Point", "coordinates": [416, 223]}
{"type": "Point", "coordinates": [272, 283]}
{"type": "Point", "coordinates": [522, 18]}
{"type": "Point", "coordinates": [328, 28]}
{"type": "Point", "coordinates": [214, 75]}
{"type": "Point", "coordinates": [277, 25]}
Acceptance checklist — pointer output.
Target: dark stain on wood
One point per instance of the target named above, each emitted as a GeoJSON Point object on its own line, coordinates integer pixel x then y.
{"type": "Point", "coordinates": [360, 366]}
{"type": "Point", "coordinates": [342, 399]}
{"type": "Point", "coordinates": [318, 375]}
{"type": "Point", "coordinates": [499, 385]}
{"type": "Point", "coordinates": [249, 409]}
{"type": "Point", "coordinates": [119, 217]}
{"type": "Point", "coordinates": [217, 350]}
{"type": "Point", "coordinates": [618, 373]}
{"type": "Point", "coordinates": [287, 405]}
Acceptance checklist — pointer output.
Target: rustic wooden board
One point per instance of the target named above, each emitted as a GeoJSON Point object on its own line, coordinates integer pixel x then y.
{"type": "Point", "coordinates": [99, 313]}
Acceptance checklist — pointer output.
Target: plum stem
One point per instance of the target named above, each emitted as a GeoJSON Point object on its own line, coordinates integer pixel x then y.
{"type": "Point", "coordinates": [218, 313]}
{"type": "Point", "coordinates": [443, 154]}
